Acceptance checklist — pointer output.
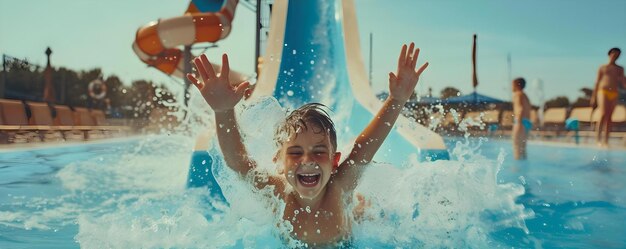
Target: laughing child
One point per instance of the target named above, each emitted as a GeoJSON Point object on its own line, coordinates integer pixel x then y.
{"type": "Point", "coordinates": [313, 178]}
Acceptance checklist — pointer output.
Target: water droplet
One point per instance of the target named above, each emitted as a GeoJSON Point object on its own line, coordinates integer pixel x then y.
{"type": "Point", "coordinates": [289, 93]}
{"type": "Point", "coordinates": [318, 231]}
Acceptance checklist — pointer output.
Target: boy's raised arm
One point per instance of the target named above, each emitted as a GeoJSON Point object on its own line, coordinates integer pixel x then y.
{"type": "Point", "coordinates": [223, 97]}
{"type": "Point", "coordinates": [401, 86]}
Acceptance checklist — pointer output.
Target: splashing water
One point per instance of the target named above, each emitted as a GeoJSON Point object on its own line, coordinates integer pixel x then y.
{"type": "Point", "coordinates": [132, 195]}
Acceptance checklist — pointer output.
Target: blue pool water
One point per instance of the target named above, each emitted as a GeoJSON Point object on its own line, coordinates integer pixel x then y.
{"type": "Point", "coordinates": [131, 193]}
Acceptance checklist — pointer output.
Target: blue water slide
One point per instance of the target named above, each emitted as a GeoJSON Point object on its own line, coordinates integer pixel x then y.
{"type": "Point", "coordinates": [208, 5]}
{"type": "Point", "coordinates": [313, 55]}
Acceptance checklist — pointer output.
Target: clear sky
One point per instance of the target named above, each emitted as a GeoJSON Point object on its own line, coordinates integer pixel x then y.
{"type": "Point", "coordinates": [561, 42]}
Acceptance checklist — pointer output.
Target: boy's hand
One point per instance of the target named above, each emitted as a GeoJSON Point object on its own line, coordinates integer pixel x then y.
{"type": "Point", "coordinates": [216, 90]}
{"type": "Point", "coordinates": [402, 84]}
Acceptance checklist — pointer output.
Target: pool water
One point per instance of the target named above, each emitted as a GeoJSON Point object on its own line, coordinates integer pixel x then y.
{"type": "Point", "coordinates": [131, 193]}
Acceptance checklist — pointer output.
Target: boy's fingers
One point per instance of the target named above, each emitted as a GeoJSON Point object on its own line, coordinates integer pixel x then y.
{"type": "Point", "coordinates": [200, 68]}
{"type": "Point", "coordinates": [195, 81]}
{"type": "Point", "coordinates": [402, 59]}
{"type": "Point", "coordinates": [392, 78]}
{"type": "Point", "coordinates": [422, 68]}
{"type": "Point", "coordinates": [415, 56]}
{"type": "Point", "coordinates": [410, 59]}
{"type": "Point", "coordinates": [225, 66]}
{"type": "Point", "coordinates": [241, 88]}
{"type": "Point", "coordinates": [207, 66]}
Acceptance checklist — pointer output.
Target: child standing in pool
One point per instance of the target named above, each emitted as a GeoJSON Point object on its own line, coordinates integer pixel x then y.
{"type": "Point", "coordinates": [605, 94]}
{"type": "Point", "coordinates": [521, 117]}
{"type": "Point", "coordinates": [314, 183]}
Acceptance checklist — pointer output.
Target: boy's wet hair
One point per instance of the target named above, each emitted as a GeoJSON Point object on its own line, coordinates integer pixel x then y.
{"type": "Point", "coordinates": [313, 114]}
{"type": "Point", "coordinates": [521, 82]}
{"type": "Point", "coordinates": [613, 50]}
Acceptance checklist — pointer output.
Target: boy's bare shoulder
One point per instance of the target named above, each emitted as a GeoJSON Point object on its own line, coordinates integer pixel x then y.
{"type": "Point", "coordinates": [262, 180]}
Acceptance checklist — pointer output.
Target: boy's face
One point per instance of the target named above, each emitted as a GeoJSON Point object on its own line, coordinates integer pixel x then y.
{"type": "Point", "coordinates": [613, 56]}
{"type": "Point", "coordinates": [309, 160]}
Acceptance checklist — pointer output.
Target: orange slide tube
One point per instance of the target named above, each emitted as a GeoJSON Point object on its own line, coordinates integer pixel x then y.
{"type": "Point", "coordinates": [156, 43]}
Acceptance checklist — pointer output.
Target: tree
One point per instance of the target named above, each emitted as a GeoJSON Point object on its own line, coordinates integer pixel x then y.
{"type": "Point", "coordinates": [560, 101]}
{"type": "Point", "coordinates": [115, 91]}
{"type": "Point", "coordinates": [449, 92]}
{"type": "Point", "coordinates": [141, 96]}
{"type": "Point", "coordinates": [24, 80]}
{"type": "Point", "coordinates": [584, 100]}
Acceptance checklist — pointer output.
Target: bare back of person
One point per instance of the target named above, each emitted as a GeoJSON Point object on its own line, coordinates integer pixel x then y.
{"type": "Point", "coordinates": [523, 110]}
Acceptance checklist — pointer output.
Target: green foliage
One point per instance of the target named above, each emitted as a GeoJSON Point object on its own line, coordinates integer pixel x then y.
{"type": "Point", "coordinates": [26, 81]}
{"type": "Point", "coordinates": [560, 101]}
{"type": "Point", "coordinates": [585, 100]}
{"type": "Point", "coordinates": [450, 92]}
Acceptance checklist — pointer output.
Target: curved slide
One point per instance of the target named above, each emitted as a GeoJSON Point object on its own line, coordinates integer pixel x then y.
{"type": "Point", "coordinates": [204, 21]}
{"type": "Point", "coordinates": [313, 55]}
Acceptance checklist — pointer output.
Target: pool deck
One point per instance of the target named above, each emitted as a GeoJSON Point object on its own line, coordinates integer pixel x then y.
{"type": "Point", "coordinates": [57, 144]}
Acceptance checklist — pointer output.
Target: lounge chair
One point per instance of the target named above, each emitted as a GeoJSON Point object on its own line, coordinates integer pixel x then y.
{"type": "Point", "coordinates": [450, 122]}
{"type": "Point", "coordinates": [488, 119]}
{"type": "Point", "coordinates": [103, 124]}
{"type": "Point", "coordinates": [14, 126]}
{"type": "Point", "coordinates": [85, 122]}
{"type": "Point", "coordinates": [619, 114]}
{"type": "Point", "coordinates": [553, 121]}
{"type": "Point", "coordinates": [583, 115]}
{"type": "Point", "coordinates": [64, 120]}
{"type": "Point", "coordinates": [618, 119]}
{"type": "Point", "coordinates": [506, 122]}
{"type": "Point", "coordinates": [41, 120]}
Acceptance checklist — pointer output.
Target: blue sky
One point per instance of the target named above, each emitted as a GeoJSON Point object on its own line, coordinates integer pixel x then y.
{"type": "Point", "coordinates": [561, 42]}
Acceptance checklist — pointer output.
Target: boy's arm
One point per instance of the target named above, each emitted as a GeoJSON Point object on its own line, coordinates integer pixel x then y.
{"type": "Point", "coordinates": [401, 86]}
{"type": "Point", "coordinates": [223, 97]}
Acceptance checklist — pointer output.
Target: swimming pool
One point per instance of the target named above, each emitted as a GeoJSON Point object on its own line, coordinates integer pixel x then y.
{"type": "Point", "coordinates": [130, 193]}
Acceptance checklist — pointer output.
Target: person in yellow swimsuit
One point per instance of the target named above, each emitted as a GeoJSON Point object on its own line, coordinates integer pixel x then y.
{"type": "Point", "coordinates": [605, 94]}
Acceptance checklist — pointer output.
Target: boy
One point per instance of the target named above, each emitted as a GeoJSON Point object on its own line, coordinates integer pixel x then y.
{"type": "Point", "coordinates": [521, 118]}
{"type": "Point", "coordinates": [313, 183]}
{"type": "Point", "coordinates": [606, 94]}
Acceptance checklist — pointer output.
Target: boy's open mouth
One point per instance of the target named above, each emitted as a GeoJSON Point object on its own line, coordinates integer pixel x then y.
{"type": "Point", "coordinates": [309, 180]}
